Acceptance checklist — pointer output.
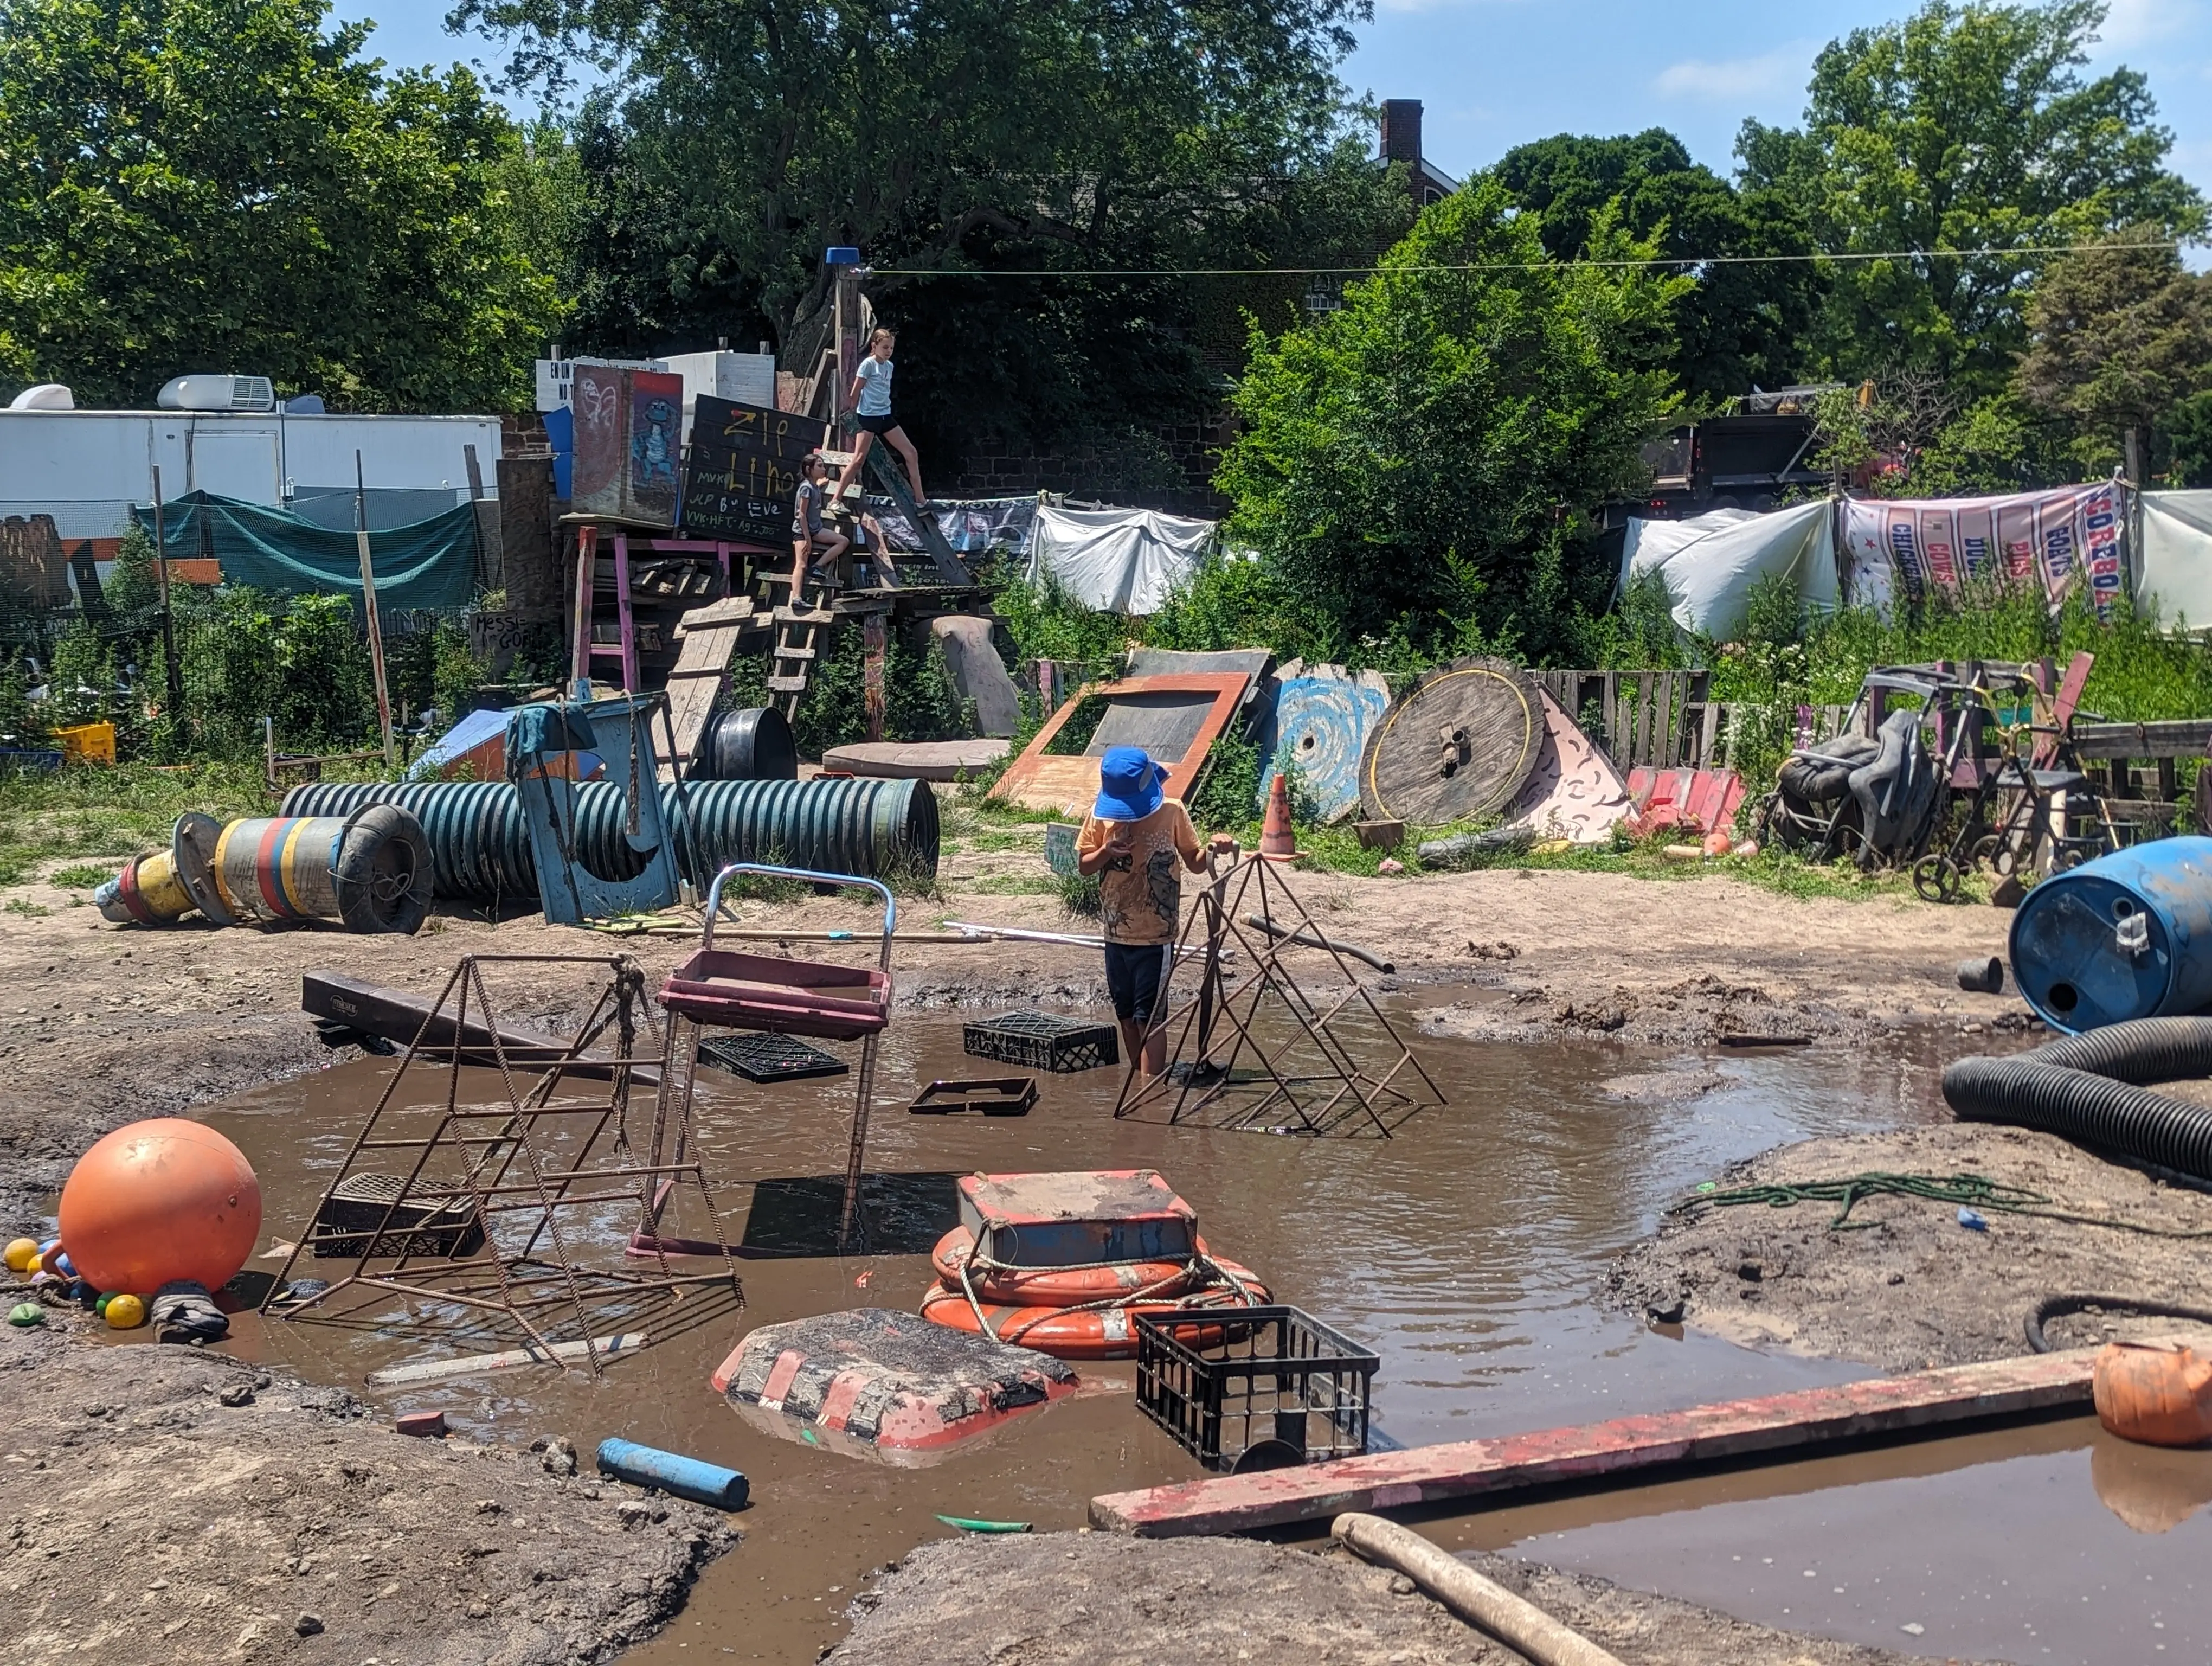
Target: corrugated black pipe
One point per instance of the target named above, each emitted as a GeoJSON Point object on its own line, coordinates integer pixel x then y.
{"type": "Point", "coordinates": [480, 849]}
{"type": "Point", "coordinates": [2086, 1087]}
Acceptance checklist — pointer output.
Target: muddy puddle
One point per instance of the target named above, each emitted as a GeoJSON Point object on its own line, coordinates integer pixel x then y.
{"type": "Point", "coordinates": [1466, 1251]}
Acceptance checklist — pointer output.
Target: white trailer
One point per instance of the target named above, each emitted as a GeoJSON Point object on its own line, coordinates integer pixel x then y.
{"type": "Point", "coordinates": [88, 468]}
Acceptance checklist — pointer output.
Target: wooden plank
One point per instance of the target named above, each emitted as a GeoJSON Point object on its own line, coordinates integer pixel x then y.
{"type": "Point", "coordinates": [1669, 722]}
{"type": "Point", "coordinates": [706, 637]}
{"type": "Point", "coordinates": [401, 1018]}
{"type": "Point", "coordinates": [2182, 738]}
{"type": "Point", "coordinates": [1643, 748]}
{"type": "Point", "coordinates": [1782, 1424]}
{"type": "Point", "coordinates": [1710, 735]}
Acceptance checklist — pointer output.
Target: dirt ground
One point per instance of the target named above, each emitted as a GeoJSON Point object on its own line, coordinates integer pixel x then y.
{"type": "Point", "coordinates": [1118, 1601]}
{"type": "Point", "coordinates": [100, 1026]}
{"type": "Point", "coordinates": [1909, 1287]}
{"type": "Point", "coordinates": [163, 1504]}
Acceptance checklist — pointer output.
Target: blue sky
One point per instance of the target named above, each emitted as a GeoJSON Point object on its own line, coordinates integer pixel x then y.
{"type": "Point", "coordinates": [1495, 73]}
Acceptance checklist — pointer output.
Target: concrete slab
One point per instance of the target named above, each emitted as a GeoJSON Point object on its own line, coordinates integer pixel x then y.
{"type": "Point", "coordinates": [916, 760]}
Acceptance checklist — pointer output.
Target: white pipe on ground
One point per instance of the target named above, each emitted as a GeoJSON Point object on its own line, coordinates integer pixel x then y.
{"type": "Point", "coordinates": [1481, 1602]}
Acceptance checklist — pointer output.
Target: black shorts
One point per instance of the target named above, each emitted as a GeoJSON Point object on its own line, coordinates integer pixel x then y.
{"type": "Point", "coordinates": [1134, 973]}
{"type": "Point", "coordinates": [882, 424]}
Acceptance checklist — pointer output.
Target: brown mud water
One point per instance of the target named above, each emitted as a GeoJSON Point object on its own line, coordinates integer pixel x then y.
{"type": "Point", "coordinates": [1466, 1251]}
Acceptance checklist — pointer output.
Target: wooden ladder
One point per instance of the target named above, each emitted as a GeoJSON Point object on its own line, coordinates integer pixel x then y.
{"type": "Point", "coordinates": [801, 632]}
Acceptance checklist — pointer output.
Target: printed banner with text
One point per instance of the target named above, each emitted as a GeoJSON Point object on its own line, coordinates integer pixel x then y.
{"type": "Point", "coordinates": [1906, 548]}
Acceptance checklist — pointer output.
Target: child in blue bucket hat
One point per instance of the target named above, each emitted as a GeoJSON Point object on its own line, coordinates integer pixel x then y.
{"type": "Point", "coordinates": [1137, 840]}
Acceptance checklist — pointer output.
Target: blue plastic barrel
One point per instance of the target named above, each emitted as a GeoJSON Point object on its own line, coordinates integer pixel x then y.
{"type": "Point", "coordinates": [671, 1472]}
{"type": "Point", "coordinates": [2126, 936]}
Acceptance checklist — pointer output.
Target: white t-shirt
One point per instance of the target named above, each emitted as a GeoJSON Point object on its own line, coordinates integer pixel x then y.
{"type": "Point", "coordinates": [875, 376]}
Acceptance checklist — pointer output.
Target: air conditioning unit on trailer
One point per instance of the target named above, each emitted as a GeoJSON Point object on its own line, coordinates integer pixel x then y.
{"type": "Point", "coordinates": [206, 392]}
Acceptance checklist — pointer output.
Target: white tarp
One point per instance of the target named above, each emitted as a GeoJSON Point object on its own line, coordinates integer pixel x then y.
{"type": "Point", "coordinates": [1711, 561]}
{"type": "Point", "coordinates": [1122, 561]}
{"type": "Point", "coordinates": [2174, 573]}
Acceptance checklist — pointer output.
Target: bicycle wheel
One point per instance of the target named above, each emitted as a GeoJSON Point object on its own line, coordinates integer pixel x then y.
{"type": "Point", "coordinates": [1935, 876]}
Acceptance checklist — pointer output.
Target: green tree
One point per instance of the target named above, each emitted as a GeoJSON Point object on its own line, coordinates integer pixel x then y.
{"type": "Point", "coordinates": [1734, 325]}
{"type": "Point", "coordinates": [2119, 336]}
{"type": "Point", "coordinates": [228, 184]}
{"type": "Point", "coordinates": [1963, 127]}
{"type": "Point", "coordinates": [965, 136]}
{"type": "Point", "coordinates": [1415, 469]}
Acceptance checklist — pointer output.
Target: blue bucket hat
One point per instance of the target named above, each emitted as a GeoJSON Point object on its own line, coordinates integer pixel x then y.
{"type": "Point", "coordinates": [1128, 786]}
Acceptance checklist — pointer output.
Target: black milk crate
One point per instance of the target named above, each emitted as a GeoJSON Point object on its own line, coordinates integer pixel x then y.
{"type": "Point", "coordinates": [1252, 1387]}
{"type": "Point", "coordinates": [762, 1057]}
{"type": "Point", "coordinates": [1042, 1040]}
{"type": "Point", "coordinates": [425, 1226]}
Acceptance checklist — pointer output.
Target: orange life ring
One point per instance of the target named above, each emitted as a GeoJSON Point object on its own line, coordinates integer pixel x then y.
{"type": "Point", "coordinates": [1059, 1286]}
{"type": "Point", "coordinates": [1069, 1334]}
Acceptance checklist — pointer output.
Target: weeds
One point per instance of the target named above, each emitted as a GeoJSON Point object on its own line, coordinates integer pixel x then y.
{"type": "Point", "coordinates": [82, 877]}
{"type": "Point", "coordinates": [112, 810]}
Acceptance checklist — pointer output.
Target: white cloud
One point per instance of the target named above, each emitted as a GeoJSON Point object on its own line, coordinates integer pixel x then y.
{"type": "Point", "coordinates": [1735, 80]}
{"type": "Point", "coordinates": [2132, 23]}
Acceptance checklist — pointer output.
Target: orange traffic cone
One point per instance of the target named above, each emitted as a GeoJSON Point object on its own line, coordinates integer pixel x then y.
{"type": "Point", "coordinates": [1277, 841]}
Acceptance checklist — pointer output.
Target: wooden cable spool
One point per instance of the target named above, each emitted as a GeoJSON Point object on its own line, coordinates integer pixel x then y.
{"type": "Point", "coordinates": [1457, 745]}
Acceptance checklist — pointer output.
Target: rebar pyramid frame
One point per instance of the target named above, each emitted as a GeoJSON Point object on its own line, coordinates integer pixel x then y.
{"type": "Point", "coordinates": [1325, 1080]}
{"type": "Point", "coordinates": [504, 1168]}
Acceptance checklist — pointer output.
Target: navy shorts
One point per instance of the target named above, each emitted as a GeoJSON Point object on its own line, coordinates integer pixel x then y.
{"type": "Point", "coordinates": [1134, 973]}
{"type": "Point", "coordinates": [882, 424]}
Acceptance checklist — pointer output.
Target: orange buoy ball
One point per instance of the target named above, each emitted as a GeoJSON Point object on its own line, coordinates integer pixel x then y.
{"type": "Point", "coordinates": [158, 1201]}
{"type": "Point", "coordinates": [122, 1312]}
{"type": "Point", "coordinates": [18, 1255]}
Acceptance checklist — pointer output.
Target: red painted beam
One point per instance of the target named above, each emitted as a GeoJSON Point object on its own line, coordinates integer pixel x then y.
{"type": "Point", "coordinates": [1777, 1422]}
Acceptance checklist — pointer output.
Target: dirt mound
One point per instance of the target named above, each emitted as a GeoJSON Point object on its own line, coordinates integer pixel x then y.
{"type": "Point", "coordinates": [160, 1504]}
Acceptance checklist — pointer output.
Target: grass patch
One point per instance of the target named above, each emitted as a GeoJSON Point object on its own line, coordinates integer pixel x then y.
{"type": "Point", "coordinates": [1012, 885]}
{"type": "Point", "coordinates": [1079, 894]}
{"type": "Point", "coordinates": [113, 810]}
{"type": "Point", "coordinates": [29, 910]}
{"type": "Point", "coordinates": [83, 876]}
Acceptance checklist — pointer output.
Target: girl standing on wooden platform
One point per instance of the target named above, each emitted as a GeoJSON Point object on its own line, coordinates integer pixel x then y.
{"type": "Point", "coordinates": [869, 397]}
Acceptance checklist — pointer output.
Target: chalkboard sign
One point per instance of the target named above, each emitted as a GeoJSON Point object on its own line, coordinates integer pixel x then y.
{"type": "Point", "coordinates": [733, 427]}
{"type": "Point", "coordinates": [744, 465]}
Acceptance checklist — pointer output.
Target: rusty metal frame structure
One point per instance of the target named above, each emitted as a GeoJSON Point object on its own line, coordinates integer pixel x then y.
{"type": "Point", "coordinates": [501, 1148]}
{"type": "Point", "coordinates": [1222, 1074]}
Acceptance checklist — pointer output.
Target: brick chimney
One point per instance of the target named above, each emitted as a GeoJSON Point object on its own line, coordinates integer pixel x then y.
{"type": "Point", "coordinates": [1401, 133]}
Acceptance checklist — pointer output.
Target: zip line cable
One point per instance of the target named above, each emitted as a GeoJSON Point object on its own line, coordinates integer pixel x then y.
{"type": "Point", "coordinates": [1513, 265]}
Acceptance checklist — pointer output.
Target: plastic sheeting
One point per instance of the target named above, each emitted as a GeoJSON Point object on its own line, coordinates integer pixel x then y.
{"type": "Point", "coordinates": [1122, 560]}
{"type": "Point", "coordinates": [430, 563]}
{"type": "Point", "coordinates": [1711, 561]}
{"type": "Point", "coordinates": [2174, 571]}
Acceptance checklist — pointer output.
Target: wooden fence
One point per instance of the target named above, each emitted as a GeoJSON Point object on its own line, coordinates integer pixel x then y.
{"type": "Point", "coordinates": [1667, 720]}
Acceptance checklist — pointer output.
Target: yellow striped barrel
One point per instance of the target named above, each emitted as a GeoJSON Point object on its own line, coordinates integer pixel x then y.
{"type": "Point", "coordinates": [280, 867]}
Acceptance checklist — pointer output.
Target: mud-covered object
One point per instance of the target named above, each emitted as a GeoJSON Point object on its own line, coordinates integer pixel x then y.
{"type": "Point", "coordinates": [886, 1378]}
{"type": "Point", "coordinates": [185, 1312]}
{"type": "Point", "coordinates": [1897, 791]}
{"type": "Point", "coordinates": [1823, 775]}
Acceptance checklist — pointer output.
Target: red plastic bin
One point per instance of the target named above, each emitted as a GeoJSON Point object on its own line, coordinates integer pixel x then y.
{"type": "Point", "coordinates": [734, 991]}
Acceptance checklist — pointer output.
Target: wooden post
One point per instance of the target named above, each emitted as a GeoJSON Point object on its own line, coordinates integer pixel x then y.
{"type": "Point", "coordinates": [368, 604]}
{"type": "Point", "coordinates": [580, 640]}
{"type": "Point", "coordinates": [173, 674]}
{"type": "Point", "coordinates": [874, 641]}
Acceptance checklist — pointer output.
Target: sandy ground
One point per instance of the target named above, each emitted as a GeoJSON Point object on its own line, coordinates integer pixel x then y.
{"type": "Point", "coordinates": [1912, 1287]}
{"type": "Point", "coordinates": [163, 1504]}
{"type": "Point", "coordinates": [1117, 1601]}
{"type": "Point", "coordinates": [100, 1026]}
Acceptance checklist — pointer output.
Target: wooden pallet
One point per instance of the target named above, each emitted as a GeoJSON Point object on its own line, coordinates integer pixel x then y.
{"type": "Point", "coordinates": [705, 638]}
